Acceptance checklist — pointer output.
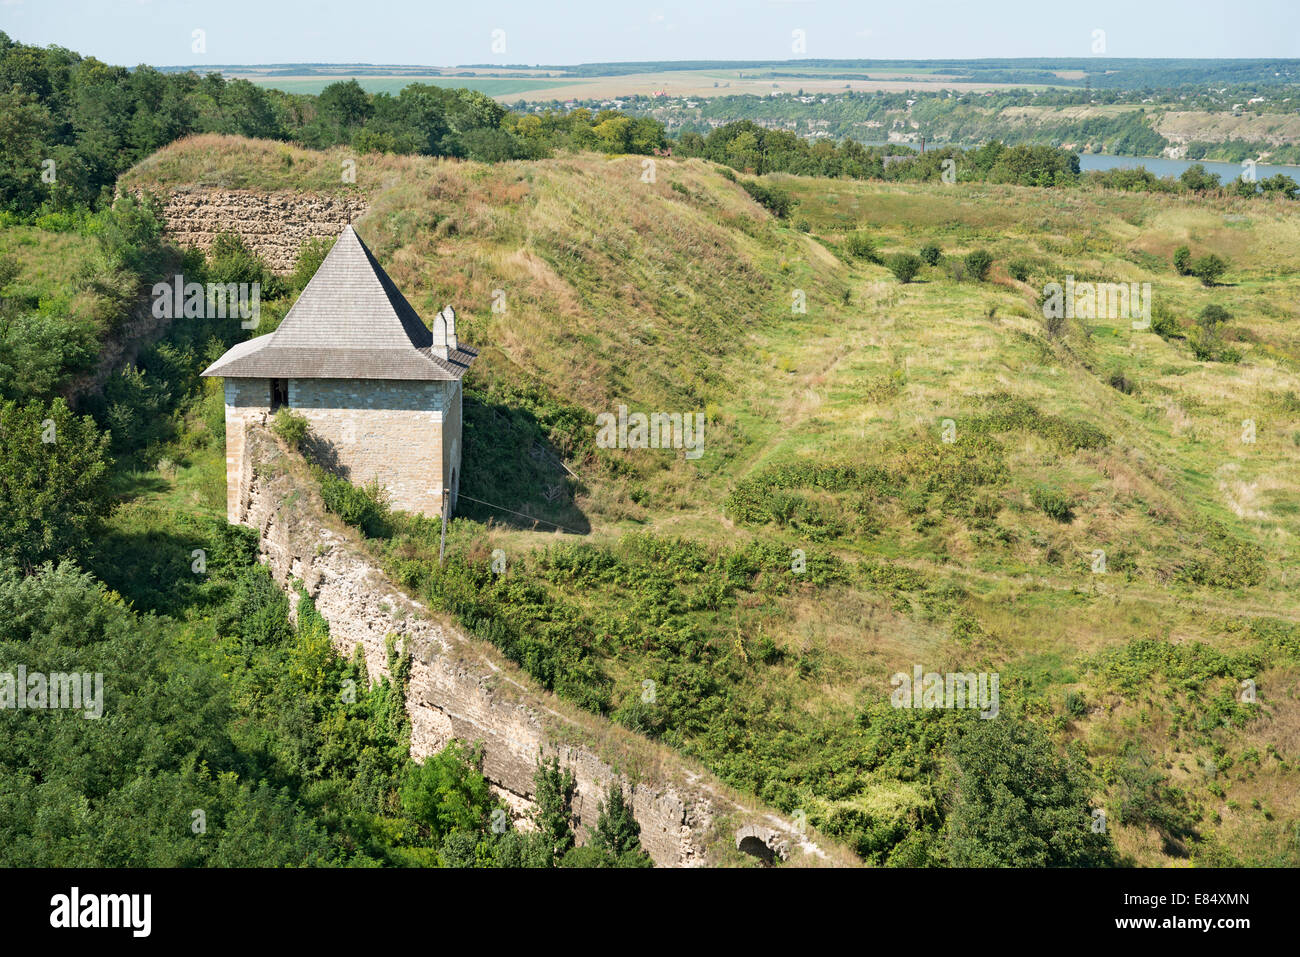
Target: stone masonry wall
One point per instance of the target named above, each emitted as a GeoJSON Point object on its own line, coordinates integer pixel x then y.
{"type": "Point", "coordinates": [389, 431]}
{"type": "Point", "coordinates": [247, 401]}
{"type": "Point", "coordinates": [463, 688]}
{"type": "Point", "coordinates": [275, 225]}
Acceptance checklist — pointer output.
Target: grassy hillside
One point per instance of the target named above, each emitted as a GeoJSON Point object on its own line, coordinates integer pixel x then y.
{"type": "Point", "coordinates": [826, 433]}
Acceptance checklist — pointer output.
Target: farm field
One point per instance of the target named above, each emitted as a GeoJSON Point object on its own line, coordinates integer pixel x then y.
{"type": "Point", "coordinates": [695, 83]}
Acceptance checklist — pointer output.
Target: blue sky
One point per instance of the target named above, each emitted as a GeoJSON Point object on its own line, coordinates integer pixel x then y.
{"type": "Point", "coordinates": [542, 31]}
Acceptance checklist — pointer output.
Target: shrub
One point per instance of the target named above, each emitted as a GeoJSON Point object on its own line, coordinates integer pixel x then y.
{"type": "Point", "coordinates": [775, 201]}
{"type": "Point", "coordinates": [291, 427]}
{"type": "Point", "coordinates": [859, 245]}
{"type": "Point", "coordinates": [1076, 706]}
{"type": "Point", "coordinates": [1212, 315]}
{"type": "Point", "coordinates": [1055, 505]}
{"type": "Point", "coordinates": [1120, 382]}
{"type": "Point", "coordinates": [365, 507]}
{"type": "Point", "coordinates": [1183, 261]}
{"type": "Point", "coordinates": [1207, 346]}
{"type": "Point", "coordinates": [931, 254]}
{"type": "Point", "coordinates": [1208, 268]}
{"type": "Point", "coordinates": [310, 255]}
{"type": "Point", "coordinates": [1019, 270]}
{"type": "Point", "coordinates": [1165, 325]}
{"type": "Point", "coordinates": [978, 262]}
{"type": "Point", "coordinates": [904, 266]}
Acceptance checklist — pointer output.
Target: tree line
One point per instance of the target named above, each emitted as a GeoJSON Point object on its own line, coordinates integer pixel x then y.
{"type": "Point", "coordinates": [69, 125]}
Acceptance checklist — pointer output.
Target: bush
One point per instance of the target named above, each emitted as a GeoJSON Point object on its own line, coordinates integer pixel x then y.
{"type": "Point", "coordinates": [1165, 325]}
{"type": "Point", "coordinates": [1212, 315]}
{"type": "Point", "coordinates": [1207, 346]}
{"type": "Point", "coordinates": [291, 427]}
{"type": "Point", "coordinates": [775, 201]}
{"type": "Point", "coordinates": [904, 266]}
{"type": "Point", "coordinates": [365, 507]}
{"type": "Point", "coordinates": [310, 255]}
{"type": "Point", "coordinates": [1119, 381]}
{"type": "Point", "coordinates": [931, 254]}
{"type": "Point", "coordinates": [1076, 706]}
{"type": "Point", "coordinates": [1183, 261]}
{"type": "Point", "coordinates": [1019, 270]}
{"type": "Point", "coordinates": [859, 245]}
{"type": "Point", "coordinates": [1055, 505]}
{"type": "Point", "coordinates": [1208, 269]}
{"type": "Point", "coordinates": [978, 263]}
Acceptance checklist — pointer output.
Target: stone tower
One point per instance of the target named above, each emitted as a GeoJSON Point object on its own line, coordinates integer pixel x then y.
{"type": "Point", "coordinates": [380, 390]}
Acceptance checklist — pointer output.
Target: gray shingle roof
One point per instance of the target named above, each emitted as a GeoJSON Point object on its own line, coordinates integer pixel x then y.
{"type": "Point", "coordinates": [351, 322]}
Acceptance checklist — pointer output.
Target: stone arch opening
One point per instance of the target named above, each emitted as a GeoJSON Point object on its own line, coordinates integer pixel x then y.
{"type": "Point", "coordinates": [761, 842]}
{"type": "Point", "coordinates": [756, 847]}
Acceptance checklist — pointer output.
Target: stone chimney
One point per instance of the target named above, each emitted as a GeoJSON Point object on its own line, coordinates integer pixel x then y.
{"type": "Point", "coordinates": [452, 342]}
{"type": "Point", "coordinates": [440, 335]}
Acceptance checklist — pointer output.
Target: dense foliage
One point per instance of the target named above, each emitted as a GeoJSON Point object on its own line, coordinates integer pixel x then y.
{"type": "Point", "coordinates": [72, 124]}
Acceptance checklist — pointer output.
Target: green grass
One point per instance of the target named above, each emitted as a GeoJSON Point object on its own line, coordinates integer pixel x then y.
{"type": "Point", "coordinates": [975, 554]}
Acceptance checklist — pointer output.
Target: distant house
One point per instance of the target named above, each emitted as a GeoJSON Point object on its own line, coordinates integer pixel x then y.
{"type": "Point", "coordinates": [380, 390]}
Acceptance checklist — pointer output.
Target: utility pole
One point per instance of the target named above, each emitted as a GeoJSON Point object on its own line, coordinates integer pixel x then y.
{"type": "Point", "coordinates": [442, 547]}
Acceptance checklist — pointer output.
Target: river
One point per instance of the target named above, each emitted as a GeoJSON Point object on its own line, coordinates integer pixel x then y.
{"type": "Point", "coordinates": [1168, 167]}
{"type": "Point", "coordinates": [1158, 165]}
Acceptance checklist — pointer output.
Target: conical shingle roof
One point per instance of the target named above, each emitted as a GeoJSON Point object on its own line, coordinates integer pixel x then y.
{"type": "Point", "coordinates": [351, 322]}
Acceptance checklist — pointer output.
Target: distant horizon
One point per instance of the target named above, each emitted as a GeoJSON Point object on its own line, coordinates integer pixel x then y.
{"type": "Point", "coordinates": [252, 32]}
{"type": "Point", "coordinates": [738, 61]}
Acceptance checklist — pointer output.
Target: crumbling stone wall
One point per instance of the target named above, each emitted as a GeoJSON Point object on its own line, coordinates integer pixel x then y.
{"type": "Point", "coordinates": [275, 225]}
{"type": "Point", "coordinates": [463, 688]}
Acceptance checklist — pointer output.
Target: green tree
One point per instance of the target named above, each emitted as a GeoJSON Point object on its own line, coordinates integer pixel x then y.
{"type": "Point", "coordinates": [52, 465]}
{"type": "Point", "coordinates": [1183, 261]}
{"type": "Point", "coordinates": [343, 107]}
{"type": "Point", "coordinates": [447, 793]}
{"type": "Point", "coordinates": [310, 256]}
{"type": "Point", "coordinates": [1280, 183]}
{"type": "Point", "coordinates": [25, 126]}
{"type": "Point", "coordinates": [617, 834]}
{"type": "Point", "coordinates": [1016, 802]}
{"type": "Point", "coordinates": [1209, 268]}
{"type": "Point", "coordinates": [1196, 179]}
{"type": "Point", "coordinates": [249, 110]}
{"type": "Point", "coordinates": [553, 806]}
